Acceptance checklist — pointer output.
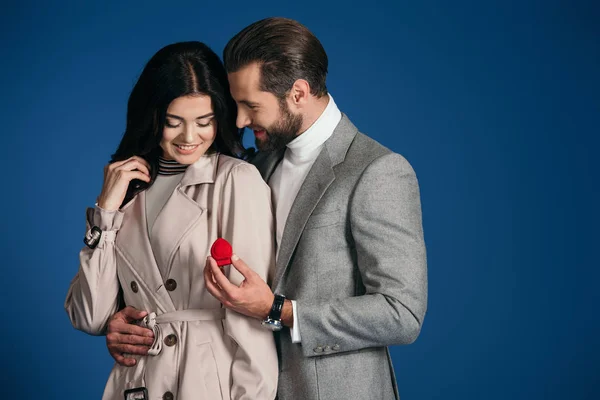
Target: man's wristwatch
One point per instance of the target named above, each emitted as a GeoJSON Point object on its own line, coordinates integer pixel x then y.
{"type": "Point", "coordinates": [273, 320]}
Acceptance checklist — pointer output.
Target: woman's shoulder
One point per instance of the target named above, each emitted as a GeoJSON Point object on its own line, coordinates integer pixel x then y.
{"type": "Point", "coordinates": [228, 165]}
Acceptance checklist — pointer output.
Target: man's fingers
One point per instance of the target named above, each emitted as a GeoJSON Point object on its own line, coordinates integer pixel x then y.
{"type": "Point", "coordinates": [122, 360]}
{"type": "Point", "coordinates": [131, 329]}
{"type": "Point", "coordinates": [129, 348]}
{"type": "Point", "coordinates": [117, 338]}
{"type": "Point", "coordinates": [210, 283]}
{"type": "Point", "coordinates": [227, 287]}
{"type": "Point", "coordinates": [131, 314]}
{"type": "Point", "coordinates": [117, 331]}
{"type": "Point", "coordinates": [215, 291]}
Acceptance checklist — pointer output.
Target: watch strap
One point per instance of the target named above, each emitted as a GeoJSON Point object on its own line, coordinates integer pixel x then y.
{"type": "Point", "coordinates": [96, 237]}
{"type": "Point", "coordinates": [277, 306]}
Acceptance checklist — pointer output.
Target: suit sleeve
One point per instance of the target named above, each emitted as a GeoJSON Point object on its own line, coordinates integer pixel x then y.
{"type": "Point", "coordinates": [93, 295]}
{"type": "Point", "coordinates": [247, 223]}
{"type": "Point", "coordinates": [386, 226]}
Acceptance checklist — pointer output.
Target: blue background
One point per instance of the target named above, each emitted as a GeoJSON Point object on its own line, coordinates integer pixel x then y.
{"type": "Point", "coordinates": [495, 105]}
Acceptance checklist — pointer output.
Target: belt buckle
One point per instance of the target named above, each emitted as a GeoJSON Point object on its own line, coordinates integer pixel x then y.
{"type": "Point", "coordinates": [138, 393]}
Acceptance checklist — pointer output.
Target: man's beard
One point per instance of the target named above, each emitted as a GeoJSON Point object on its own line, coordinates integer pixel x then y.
{"type": "Point", "coordinates": [279, 135]}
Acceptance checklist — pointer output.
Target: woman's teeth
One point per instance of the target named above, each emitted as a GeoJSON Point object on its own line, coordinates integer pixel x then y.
{"type": "Point", "coordinates": [187, 147]}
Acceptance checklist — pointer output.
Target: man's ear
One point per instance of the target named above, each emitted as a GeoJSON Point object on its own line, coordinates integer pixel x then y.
{"type": "Point", "coordinates": [299, 93]}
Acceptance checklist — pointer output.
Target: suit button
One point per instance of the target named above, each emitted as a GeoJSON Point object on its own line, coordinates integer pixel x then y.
{"type": "Point", "coordinates": [171, 340]}
{"type": "Point", "coordinates": [171, 284]}
{"type": "Point", "coordinates": [318, 349]}
{"type": "Point", "coordinates": [326, 348]}
{"type": "Point", "coordinates": [336, 347]}
{"type": "Point", "coordinates": [168, 396]}
{"type": "Point", "coordinates": [134, 286]}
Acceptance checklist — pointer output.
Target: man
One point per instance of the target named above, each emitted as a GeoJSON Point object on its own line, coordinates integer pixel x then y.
{"type": "Point", "coordinates": [351, 276]}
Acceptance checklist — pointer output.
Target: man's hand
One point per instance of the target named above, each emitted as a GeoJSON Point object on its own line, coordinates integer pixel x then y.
{"type": "Point", "coordinates": [125, 337]}
{"type": "Point", "coordinates": [252, 297]}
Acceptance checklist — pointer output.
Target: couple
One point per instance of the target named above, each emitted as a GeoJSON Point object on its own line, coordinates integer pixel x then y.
{"type": "Point", "coordinates": [325, 224]}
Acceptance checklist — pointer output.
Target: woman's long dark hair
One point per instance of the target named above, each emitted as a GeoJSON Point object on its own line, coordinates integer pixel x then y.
{"type": "Point", "coordinates": [176, 70]}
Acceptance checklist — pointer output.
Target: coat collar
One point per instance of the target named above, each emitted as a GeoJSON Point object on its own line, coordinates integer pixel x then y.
{"type": "Point", "coordinates": [202, 171]}
{"type": "Point", "coordinates": [151, 259]}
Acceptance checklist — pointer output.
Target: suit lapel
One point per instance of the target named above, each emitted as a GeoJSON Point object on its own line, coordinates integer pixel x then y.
{"type": "Point", "coordinates": [316, 183]}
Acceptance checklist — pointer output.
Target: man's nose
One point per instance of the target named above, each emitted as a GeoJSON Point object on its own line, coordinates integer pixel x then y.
{"type": "Point", "coordinates": [243, 120]}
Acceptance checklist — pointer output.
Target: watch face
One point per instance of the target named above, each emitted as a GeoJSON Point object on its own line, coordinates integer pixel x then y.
{"type": "Point", "coordinates": [92, 238]}
{"type": "Point", "coordinates": [272, 324]}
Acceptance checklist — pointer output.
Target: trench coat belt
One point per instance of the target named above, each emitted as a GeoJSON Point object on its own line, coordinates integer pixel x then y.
{"type": "Point", "coordinates": [153, 321]}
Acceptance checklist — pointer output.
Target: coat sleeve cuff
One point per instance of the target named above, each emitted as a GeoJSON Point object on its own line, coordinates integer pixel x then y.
{"type": "Point", "coordinates": [295, 330]}
{"type": "Point", "coordinates": [104, 219]}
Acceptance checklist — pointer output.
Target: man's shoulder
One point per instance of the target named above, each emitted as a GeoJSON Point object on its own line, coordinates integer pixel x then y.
{"type": "Point", "coordinates": [365, 151]}
{"type": "Point", "coordinates": [368, 146]}
{"type": "Point", "coordinates": [357, 143]}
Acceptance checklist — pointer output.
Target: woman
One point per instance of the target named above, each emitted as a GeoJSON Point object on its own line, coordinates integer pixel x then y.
{"type": "Point", "coordinates": [171, 189]}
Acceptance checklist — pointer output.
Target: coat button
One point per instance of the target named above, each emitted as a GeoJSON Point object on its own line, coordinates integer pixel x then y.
{"type": "Point", "coordinates": [336, 347]}
{"type": "Point", "coordinates": [171, 284]}
{"type": "Point", "coordinates": [171, 340]}
{"type": "Point", "coordinates": [318, 349]}
{"type": "Point", "coordinates": [134, 286]}
{"type": "Point", "coordinates": [326, 348]}
{"type": "Point", "coordinates": [168, 396]}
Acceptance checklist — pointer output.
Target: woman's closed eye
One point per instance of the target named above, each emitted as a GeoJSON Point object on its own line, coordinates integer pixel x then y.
{"type": "Point", "coordinates": [203, 123]}
{"type": "Point", "coordinates": [172, 123]}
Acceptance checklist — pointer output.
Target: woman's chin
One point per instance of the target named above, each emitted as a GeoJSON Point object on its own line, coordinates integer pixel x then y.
{"type": "Point", "coordinates": [187, 159]}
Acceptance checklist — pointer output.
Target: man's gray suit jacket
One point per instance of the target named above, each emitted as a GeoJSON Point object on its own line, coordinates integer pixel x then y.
{"type": "Point", "coordinates": [353, 257]}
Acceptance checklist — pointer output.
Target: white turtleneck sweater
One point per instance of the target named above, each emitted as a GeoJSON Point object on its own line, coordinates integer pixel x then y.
{"type": "Point", "coordinates": [289, 175]}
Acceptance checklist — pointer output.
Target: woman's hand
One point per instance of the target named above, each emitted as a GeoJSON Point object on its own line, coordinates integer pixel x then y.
{"type": "Point", "coordinates": [117, 176]}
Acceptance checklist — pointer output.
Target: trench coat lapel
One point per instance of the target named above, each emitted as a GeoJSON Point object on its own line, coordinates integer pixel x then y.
{"type": "Point", "coordinates": [134, 246]}
{"type": "Point", "coordinates": [181, 213]}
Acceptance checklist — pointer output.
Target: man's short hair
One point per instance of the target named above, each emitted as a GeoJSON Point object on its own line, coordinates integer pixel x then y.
{"type": "Point", "coordinates": [285, 50]}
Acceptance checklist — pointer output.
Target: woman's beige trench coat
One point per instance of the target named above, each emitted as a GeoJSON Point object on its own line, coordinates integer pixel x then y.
{"type": "Point", "coordinates": [201, 350]}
